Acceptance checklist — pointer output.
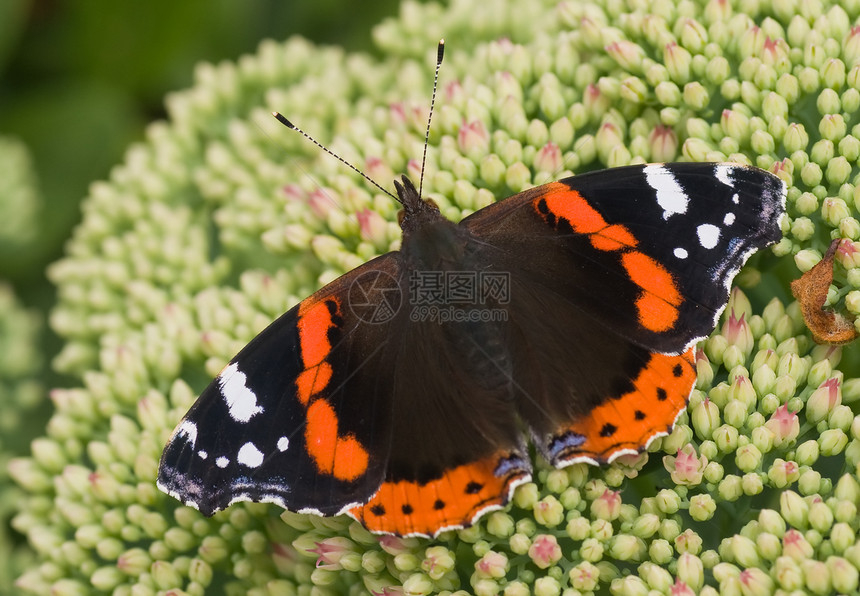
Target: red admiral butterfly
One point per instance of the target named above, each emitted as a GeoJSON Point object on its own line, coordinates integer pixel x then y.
{"type": "Point", "coordinates": [399, 393]}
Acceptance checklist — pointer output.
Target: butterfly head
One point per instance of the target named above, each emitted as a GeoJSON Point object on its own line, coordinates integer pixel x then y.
{"type": "Point", "coordinates": [416, 211]}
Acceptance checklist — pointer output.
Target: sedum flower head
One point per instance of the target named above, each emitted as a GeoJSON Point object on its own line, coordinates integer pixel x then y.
{"type": "Point", "coordinates": [221, 220]}
{"type": "Point", "coordinates": [19, 198]}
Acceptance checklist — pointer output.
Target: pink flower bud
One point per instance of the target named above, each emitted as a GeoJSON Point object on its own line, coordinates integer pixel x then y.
{"type": "Point", "coordinates": [784, 425]}
{"type": "Point", "coordinates": [545, 551]}
{"type": "Point", "coordinates": [548, 158]}
{"type": "Point", "coordinates": [372, 226]}
{"type": "Point", "coordinates": [686, 467]}
{"type": "Point", "coordinates": [473, 138]}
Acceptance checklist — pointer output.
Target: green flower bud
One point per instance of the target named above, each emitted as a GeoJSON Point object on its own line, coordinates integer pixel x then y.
{"type": "Point", "coordinates": [418, 583]}
{"type": "Point", "coordinates": [726, 438]}
{"type": "Point", "coordinates": [844, 511]}
{"type": "Point", "coordinates": [795, 138]}
{"type": "Point", "coordinates": [842, 537]}
{"type": "Point", "coordinates": [838, 170]}
{"type": "Point", "coordinates": [696, 96]}
{"type": "Point", "coordinates": [788, 574]}
{"type": "Point", "coordinates": [691, 571]}
{"type": "Point", "coordinates": [626, 547]}
{"type": "Point", "coordinates": [843, 575]}
{"type": "Point", "coordinates": [591, 550]}
{"type": "Point", "coordinates": [802, 228]}
{"type": "Point", "coordinates": [755, 582]}
{"type": "Point", "coordinates": [822, 152]}
{"type": "Point", "coordinates": [629, 586]}
{"type": "Point", "coordinates": [832, 441]}
{"type": "Point", "coordinates": [668, 93]}
{"type": "Point", "coordinates": [660, 551]}
{"type": "Point", "coordinates": [687, 541]}
{"type": "Point", "coordinates": [548, 512]}
{"type": "Point", "coordinates": [668, 501]}
{"type": "Point", "coordinates": [752, 484]}
{"type": "Point", "coordinates": [601, 529]}
{"type": "Point", "coordinates": [793, 509]}
{"type": "Point", "coordinates": [646, 525]}
{"type": "Point", "coordinates": [669, 529]}
{"type": "Point", "coordinates": [833, 74]}
{"type": "Point", "coordinates": [820, 517]}
{"type": "Point", "coordinates": [705, 418]}
{"type": "Point", "coordinates": [817, 576]}
{"type": "Point", "coordinates": [725, 571]}
{"type": "Point", "coordinates": [809, 482]}
{"type": "Point", "coordinates": [762, 437]}
{"type": "Point", "coordinates": [849, 146]}
{"type": "Point", "coordinates": [847, 489]}
{"type": "Point", "coordinates": [520, 543]}
{"type": "Point", "coordinates": [702, 507]}
{"type": "Point", "coordinates": [578, 528]}
{"type": "Point", "coordinates": [744, 551]}
{"type": "Point", "coordinates": [747, 457]}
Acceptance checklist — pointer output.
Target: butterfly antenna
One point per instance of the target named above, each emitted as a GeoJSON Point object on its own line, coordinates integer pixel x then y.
{"type": "Point", "coordinates": [290, 125]}
{"type": "Point", "coordinates": [440, 52]}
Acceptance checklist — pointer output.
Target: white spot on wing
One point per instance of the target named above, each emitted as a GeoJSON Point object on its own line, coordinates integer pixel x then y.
{"type": "Point", "coordinates": [189, 430]}
{"type": "Point", "coordinates": [222, 462]}
{"type": "Point", "coordinates": [670, 195]}
{"type": "Point", "coordinates": [202, 454]}
{"type": "Point", "coordinates": [283, 443]}
{"type": "Point", "coordinates": [681, 253]}
{"type": "Point", "coordinates": [736, 199]}
{"type": "Point", "coordinates": [723, 173]}
{"type": "Point", "coordinates": [709, 235]}
{"type": "Point", "coordinates": [729, 219]}
{"type": "Point", "coordinates": [241, 401]}
{"type": "Point", "coordinates": [249, 455]}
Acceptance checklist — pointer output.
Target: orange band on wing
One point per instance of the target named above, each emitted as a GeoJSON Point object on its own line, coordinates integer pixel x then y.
{"type": "Point", "coordinates": [341, 456]}
{"type": "Point", "coordinates": [660, 298]}
{"type": "Point", "coordinates": [454, 500]}
{"type": "Point", "coordinates": [657, 305]}
{"type": "Point", "coordinates": [313, 380]}
{"type": "Point", "coordinates": [314, 323]}
{"type": "Point", "coordinates": [627, 423]}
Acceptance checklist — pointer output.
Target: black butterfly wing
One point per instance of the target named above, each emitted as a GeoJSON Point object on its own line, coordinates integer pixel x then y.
{"type": "Point", "coordinates": [301, 416]}
{"type": "Point", "coordinates": [345, 405]}
{"type": "Point", "coordinates": [615, 275]}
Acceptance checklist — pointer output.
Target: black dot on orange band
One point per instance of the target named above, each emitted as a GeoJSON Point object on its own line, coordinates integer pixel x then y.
{"type": "Point", "coordinates": [677, 370]}
{"type": "Point", "coordinates": [406, 509]}
{"type": "Point", "coordinates": [608, 430]}
{"type": "Point", "coordinates": [661, 394]}
{"type": "Point", "coordinates": [542, 207]}
{"type": "Point", "coordinates": [439, 504]}
{"type": "Point", "coordinates": [473, 488]}
{"type": "Point", "coordinates": [377, 510]}
{"type": "Point", "coordinates": [639, 415]}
